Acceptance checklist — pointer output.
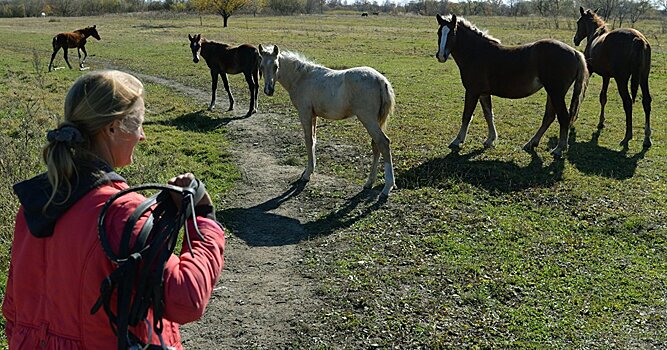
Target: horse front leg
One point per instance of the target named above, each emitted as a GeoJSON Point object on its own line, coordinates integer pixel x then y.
{"type": "Point", "coordinates": [547, 119]}
{"type": "Point", "coordinates": [214, 86]}
{"type": "Point", "coordinates": [603, 101]}
{"type": "Point", "coordinates": [485, 102]}
{"type": "Point", "coordinates": [225, 82]}
{"type": "Point", "coordinates": [309, 124]}
{"type": "Point", "coordinates": [622, 85]}
{"type": "Point", "coordinates": [85, 55]}
{"type": "Point", "coordinates": [468, 110]}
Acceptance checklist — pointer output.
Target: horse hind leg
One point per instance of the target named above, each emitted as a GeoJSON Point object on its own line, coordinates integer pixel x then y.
{"type": "Point", "coordinates": [603, 101]}
{"type": "Point", "coordinates": [252, 87]}
{"type": "Point", "coordinates": [547, 119]}
{"type": "Point", "coordinates": [53, 55]}
{"type": "Point", "coordinates": [559, 105]}
{"type": "Point", "coordinates": [66, 59]}
{"type": "Point", "coordinates": [85, 55]}
{"type": "Point", "coordinates": [646, 103]}
{"type": "Point", "coordinates": [622, 85]}
{"type": "Point", "coordinates": [380, 146]}
{"type": "Point", "coordinates": [485, 102]}
{"type": "Point", "coordinates": [225, 82]}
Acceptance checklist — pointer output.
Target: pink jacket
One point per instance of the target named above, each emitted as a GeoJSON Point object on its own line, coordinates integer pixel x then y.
{"type": "Point", "coordinates": [54, 281]}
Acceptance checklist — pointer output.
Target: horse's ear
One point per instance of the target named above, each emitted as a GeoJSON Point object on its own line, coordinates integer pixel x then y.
{"type": "Point", "coordinates": [441, 20]}
{"type": "Point", "coordinates": [581, 10]}
{"type": "Point", "coordinates": [189, 36]}
{"type": "Point", "coordinates": [453, 22]}
{"type": "Point", "coordinates": [261, 49]}
{"type": "Point", "coordinates": [198, 37]}
{"type": "Point", "coordinates": [596, 10]}
{"type": "Point", "coordinates": [94, 26]}
{"type": "Point", "coordinates": [276, 51]}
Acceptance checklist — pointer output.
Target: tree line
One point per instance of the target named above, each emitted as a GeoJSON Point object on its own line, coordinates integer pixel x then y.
{"type": "Point", "coordinates": [616, 12]}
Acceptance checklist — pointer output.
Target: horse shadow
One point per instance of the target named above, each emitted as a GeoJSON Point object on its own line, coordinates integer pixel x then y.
{"type": "Point", "coordinates": [198, 121]}
{"type": "Point", "coordinates": [592, 159]}
{"type": "Point", "coordinates": [492, 175]}
{"type": "Point", "coordinates": [258, 227]}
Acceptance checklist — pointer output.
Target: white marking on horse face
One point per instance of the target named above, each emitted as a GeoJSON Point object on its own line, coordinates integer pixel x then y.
{"type": "Point", "coordinates": [269, 67]}
{"type": "Point", "coordinates": [442, 54]}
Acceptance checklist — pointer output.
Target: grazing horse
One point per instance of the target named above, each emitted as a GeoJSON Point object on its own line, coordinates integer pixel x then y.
{"type": "Point", "coordinates": [490, 68]}
{"type": "Point", "coordinates": [71, 40]}
{"type": "Point", "coordinates": [223, 59]}
{"type": "Point", "coordinates": [623, 54]}
{"type": "Point", "coordinates": [334, 94]}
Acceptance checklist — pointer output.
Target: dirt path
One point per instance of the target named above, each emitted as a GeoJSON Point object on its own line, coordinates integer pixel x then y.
{"type": "Point", "coordinates": [264, 297]}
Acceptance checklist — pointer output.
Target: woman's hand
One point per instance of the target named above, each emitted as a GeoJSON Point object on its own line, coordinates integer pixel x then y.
{"type": "Point", "coordinates": [184, 180]}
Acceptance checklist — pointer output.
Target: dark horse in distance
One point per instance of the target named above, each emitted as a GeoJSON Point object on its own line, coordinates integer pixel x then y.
{"type": "Point", "coordinates": [223, 59]}
{"type": "Point", "coordinates": [623, 54]}
{"type": "Point", "coordinates": [71, 40]}
{"type": "Point", "coordinates": [490, 68]}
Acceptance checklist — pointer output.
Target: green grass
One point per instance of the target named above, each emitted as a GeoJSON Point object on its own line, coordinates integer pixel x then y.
{"type": "Point", "coordinates": [486, 249]}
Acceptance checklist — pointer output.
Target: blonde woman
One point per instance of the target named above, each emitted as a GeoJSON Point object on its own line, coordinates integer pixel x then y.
{"type": "Point", "coordinates": [57, 261]}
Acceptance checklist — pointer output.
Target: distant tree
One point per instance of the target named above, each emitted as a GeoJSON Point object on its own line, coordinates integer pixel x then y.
{"type": "Point", "coordinates": [285, 7]}
{"type": "Point", "coordinates": [226, 8]}
{"type": "Point", "coordinates": [254, 6]}
{"type": "Point", "coordinates": [201, 6]}
{"type": "Point", "coordinates": [638, 10]}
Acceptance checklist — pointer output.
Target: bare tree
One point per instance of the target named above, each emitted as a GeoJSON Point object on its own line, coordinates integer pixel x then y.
{"type": "Point", "coordinates": [637, 10]}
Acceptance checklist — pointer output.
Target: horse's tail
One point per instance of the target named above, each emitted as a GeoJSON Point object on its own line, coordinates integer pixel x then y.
{"type": "Point", "coordinates": [641, 63]}
{"type": "Point", "coordinates": [580, 84]}
{"type": "Point", "coordinates": [54, 42]}
{"type": "Point", "coordinates": [387, 102]}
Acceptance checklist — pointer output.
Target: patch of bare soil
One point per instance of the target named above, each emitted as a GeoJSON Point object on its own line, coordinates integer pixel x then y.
{"type": "Point", "coordinates": [264, 297]}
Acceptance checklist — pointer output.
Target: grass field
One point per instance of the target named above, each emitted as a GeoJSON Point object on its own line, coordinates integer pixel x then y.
{"type": "Point", "coordinates": [489, 248]}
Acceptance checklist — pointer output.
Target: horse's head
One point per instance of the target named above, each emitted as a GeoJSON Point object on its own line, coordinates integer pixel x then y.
{"type": "Point", "coordinates": [195, 46]}
{"type": "Point", "coordinates": [586, 25]}
{"type": "Point", "coordinates": [446, 36]}
{"type": "Point", "coordinates": [269, 68]}
{"type": "Point", "coordinates": [92, 31]}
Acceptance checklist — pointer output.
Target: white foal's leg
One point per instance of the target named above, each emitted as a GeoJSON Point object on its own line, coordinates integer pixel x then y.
{"type": "Point", "coordinates": [374, 167]}
{"type": "Point", "coordinates": [309, 124]}
{"type": "Point", "coordinates": [485, 102]}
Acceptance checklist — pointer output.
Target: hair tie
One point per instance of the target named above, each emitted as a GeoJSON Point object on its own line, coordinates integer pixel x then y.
{"type": "Point", "coordinates": [68, 134]}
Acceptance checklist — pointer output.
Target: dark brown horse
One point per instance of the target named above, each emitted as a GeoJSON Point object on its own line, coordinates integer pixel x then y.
{"type": "Point", "coordinates": [489, 68]}
{"type": "Point", "coordinates": [623, 54]}
{"type": "Point", "coordinates": [223, 59]}
{"type": "Point", "coordinates": [71, 40]}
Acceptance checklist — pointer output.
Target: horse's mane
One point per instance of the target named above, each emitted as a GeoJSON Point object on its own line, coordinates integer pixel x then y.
{"type": "Point", "coordinates": [301, 62]}
{"type": "Point", "coordinates": [465, 23]}
{"type": "Point", "coordinates": [212, 42]}
{"type": "Point", "coordinates": [599, 22]}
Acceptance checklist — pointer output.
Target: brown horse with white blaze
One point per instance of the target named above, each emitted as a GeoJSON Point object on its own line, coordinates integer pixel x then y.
{"type": "Point", "coordinates": [223, 59]}
{"type": "Point", "coordinates": [623, 54]}
{"type": "Point", "coordinates": [489, 68]}
{"type": "Point", "coordinates": [76, 39]}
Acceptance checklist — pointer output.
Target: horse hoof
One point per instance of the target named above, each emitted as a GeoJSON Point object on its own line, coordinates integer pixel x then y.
{"type": "Point", "coordinates": [368, 185]}
{"type": "Point", "coordinates": [624, 143]}
{"type": "Point", "coordinates": [557, 153]}
{"type": "Point", "coordinates": [455, 145]}
{"type": "Point", "coordinates": [488, 144]}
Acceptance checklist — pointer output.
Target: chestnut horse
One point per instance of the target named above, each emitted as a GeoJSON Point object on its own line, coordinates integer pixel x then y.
{"type": "Point", "coordinates": [223, 59]}
{"type": "Point", "coordinates": [623, 54]}
{"type": "Point", "coordinates": [71, 40]}
{"type": "Point", "coordinates": [489, 68]}
{"type": "Point", "coordinates": [334, 94]}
